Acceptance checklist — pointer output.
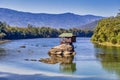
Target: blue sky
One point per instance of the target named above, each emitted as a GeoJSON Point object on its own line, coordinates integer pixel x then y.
{"type": "Point", "coordinates": [81, 7]}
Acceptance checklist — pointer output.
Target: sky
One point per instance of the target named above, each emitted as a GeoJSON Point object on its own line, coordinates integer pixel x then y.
{"type": "Point", "coordinates": [104, 8]}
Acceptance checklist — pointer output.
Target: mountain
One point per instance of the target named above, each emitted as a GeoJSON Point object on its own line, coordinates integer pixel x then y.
{"type": "Point", "coordinates": [89, 26]}
{"type": "Point", "coordinates": [65, 20]}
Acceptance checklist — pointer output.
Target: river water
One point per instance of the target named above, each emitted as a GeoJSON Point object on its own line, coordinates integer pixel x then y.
{"type": "Point", "coordinates": [91, 61]}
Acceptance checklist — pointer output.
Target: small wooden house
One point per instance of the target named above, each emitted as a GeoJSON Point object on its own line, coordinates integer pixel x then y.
{"type": "Point", "coordinates": [67, 38]}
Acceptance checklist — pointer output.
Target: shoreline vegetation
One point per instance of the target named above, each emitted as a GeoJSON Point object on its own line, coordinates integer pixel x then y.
{"type": "Point", "coordinates": [108, 44]}
{"type": "Point", "coordinates": [107, 32]}
{"type": "Point", "coordinates": [29, 32]}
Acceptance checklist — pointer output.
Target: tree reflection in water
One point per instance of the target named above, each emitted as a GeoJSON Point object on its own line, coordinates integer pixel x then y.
{"type": "Point", "coordinates": [68, 68]}
{"type": "Point", "coordinates": [66, 62]}
{"type": "Point", "coordinates": [109, 58]}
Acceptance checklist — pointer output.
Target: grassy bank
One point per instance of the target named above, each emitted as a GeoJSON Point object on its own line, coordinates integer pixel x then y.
{"type": "Point", "coordinates": [107, 44]}
{"type": "Point", "coordinates": [4, 41]}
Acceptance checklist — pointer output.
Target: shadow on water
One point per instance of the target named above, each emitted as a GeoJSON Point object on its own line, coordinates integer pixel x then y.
{"type": "Point", "coordinates": [109, 58]}
{"type": "Point", "coordinates": [66, 64]}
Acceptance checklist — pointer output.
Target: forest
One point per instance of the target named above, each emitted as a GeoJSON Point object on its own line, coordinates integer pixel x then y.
{"type": "Point", "coordinates": [10, 32]}
{"type": "Point", "coordinates": [107, 30]}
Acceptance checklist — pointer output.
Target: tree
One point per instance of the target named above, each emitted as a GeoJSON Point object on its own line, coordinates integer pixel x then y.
{"type": "Point", "coordinates": [107, 30]}
{"type": "Point", "coordinates": [118, 14]}
{"type": "Point", "coordinates": [2, 35]}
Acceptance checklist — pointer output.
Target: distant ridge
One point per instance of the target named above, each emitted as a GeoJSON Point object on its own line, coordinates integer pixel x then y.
{"type": "Point", "coordinates": [89, 26]}
{"type": "Point", "coordinates": [64, 20]}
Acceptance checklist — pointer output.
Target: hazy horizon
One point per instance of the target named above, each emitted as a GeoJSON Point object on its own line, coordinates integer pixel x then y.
{"type": "Point", "coordinates": [52, 13]}
{"type": "Point", "coordinates": [81, 7]}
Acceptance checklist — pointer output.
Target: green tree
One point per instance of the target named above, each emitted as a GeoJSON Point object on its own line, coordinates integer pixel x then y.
{"type": "Point", "coordinates": [2, 35]}
{"type": "Point", "coordinates": [107, 30]}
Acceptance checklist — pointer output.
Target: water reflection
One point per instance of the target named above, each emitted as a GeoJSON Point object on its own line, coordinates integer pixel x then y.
{"type": "Point", "coordinates": [66, 62]}
{"type": "Point", "coordinates": [2, 53]}
{"type": "Point", "coordinates": [109, 58]}
{"type": "Point", "coordinates": [68, 68]}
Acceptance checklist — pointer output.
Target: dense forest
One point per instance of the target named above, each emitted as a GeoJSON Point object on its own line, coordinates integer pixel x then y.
{"type": "Point", "coordinates": [9, 32]}
{"type": "Point", "coordinates": [107, 30]}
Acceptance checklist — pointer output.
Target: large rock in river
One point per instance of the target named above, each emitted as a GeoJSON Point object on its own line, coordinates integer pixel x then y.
{"type": "Point", "coordinates": [63, 49]}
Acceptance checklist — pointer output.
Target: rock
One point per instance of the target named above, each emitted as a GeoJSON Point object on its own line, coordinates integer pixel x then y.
{"type": "Point", "coordinates": [67, 53]}
{"type": "Point", "coordinates": [33, 60]}
{"type": "Point", "coordinates": [48, 60]}
{"type": "Point", "coordinates": [59, 56]}
{"type": "Point", "coordinates": [30, 59]}
{"type": "Point", "coordinates": [74, 53]}
{"type": "Point", "coordinates": [59, 53]}
{"type": "Point", "coordinates": [26, 59]}
{"type": "Point", "coordinates": [44, 45]}
{"type": "Point", "coordinates": [22, 46]}
{"type": "Point", "coordinates": [57, 59]}
{"type": "Point", "coordinates": [37, 45]}
{"type": "Point", "coordinates": [18, 51]}
{"type": "Point", "coordinates": [63, 49]}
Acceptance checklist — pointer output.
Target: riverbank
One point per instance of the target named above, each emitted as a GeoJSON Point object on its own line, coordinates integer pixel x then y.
{"type": "Point", "coordinates": [107, 44]}
{"type": "Point", "coordinates": [4, 41]}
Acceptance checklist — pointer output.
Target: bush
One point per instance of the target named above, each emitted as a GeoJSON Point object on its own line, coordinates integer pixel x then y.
{"type": "Point", "coordinates": [113, 40]}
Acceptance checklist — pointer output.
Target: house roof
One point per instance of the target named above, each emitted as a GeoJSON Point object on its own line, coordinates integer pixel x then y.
{"type": "Point", "coordinates": [66, 35]}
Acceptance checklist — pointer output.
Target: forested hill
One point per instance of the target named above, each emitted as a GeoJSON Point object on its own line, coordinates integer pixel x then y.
{"type": "Point", "coordinates": [108, 31]}
{"type": "Point", "coordinates": [9, 32]}
{"type": "Point", "coordinates": [65, 20]}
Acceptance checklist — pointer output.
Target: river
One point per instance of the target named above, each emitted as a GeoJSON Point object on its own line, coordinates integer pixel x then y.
{"type": "Point", "coordinates": [91, 62]}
